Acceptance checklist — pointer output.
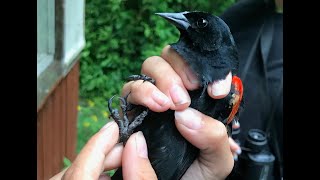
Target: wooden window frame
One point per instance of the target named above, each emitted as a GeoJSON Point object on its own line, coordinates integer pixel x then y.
{"type": "Point", "coordinates": [60, 40]}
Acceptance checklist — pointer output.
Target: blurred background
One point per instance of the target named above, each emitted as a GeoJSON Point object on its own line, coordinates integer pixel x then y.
{"type": "Point", "coordinates": [86, 49]}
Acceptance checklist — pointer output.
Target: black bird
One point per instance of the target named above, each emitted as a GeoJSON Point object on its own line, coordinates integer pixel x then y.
{"type": "Point", "coordinates": [207, 46]}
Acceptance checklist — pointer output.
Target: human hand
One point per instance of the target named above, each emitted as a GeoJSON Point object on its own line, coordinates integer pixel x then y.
{"type": "Point", "coordinates": [235, 148]}
{"type": "Point", "coordinates": [102, 153]}
{"type": "Point", "coordinates": [173, 79]}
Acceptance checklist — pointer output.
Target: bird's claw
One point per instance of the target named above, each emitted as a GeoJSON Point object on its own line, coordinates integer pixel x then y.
{"type": "Point", "coordinates": [126, 127]}
{"type": "Point", "coordinates": [141, 77]}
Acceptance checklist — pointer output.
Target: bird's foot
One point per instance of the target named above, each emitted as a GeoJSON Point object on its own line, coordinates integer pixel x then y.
{"type": "Point", "coordinates": [141, 77]}
{"type": "Point", "coordinates": [126, 127]}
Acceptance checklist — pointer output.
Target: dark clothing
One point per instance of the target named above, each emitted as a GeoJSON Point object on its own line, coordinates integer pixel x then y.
{"type": "Point", "coordinates": [258, 32]}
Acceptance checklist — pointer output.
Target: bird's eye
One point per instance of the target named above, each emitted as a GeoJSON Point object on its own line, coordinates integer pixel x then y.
{"type": "Point", "coordinates": [201, 23]}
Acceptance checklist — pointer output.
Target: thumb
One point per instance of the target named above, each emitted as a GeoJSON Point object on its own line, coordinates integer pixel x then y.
{"type": "Point", "coordinates": [210, 136]}
{"type": "Point", "coordinates": [135, 162]}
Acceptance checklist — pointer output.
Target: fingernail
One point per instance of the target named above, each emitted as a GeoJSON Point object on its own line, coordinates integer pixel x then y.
{"type": "Point", "coordinates": [235, 157]}
{"type": "Point", "coordinates": [141, 145]}
{"type": "Point", "coordinates": [189, 118]}
{"type": "Point", "coordinates": [107, 125]}
{"type": "Point", "coordinates": [178, 95]}
{"type": "Point", "coordinates": [235, 124]}
{"type": "Point", "coordinates": [238, 151]}
{"type": "Point", "coordinates": [191, 76]}
{"type": "Point", "coordinates": [159, 97]}
{"type": "Point", "coordinates": [222, 87]}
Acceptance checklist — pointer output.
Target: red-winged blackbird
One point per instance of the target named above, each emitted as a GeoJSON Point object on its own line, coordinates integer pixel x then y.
{"type": "Point", "coordinates": [207, 46]}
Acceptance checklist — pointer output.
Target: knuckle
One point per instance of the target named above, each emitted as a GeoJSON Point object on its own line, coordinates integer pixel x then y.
{"type": "Point", "coordinates": [149, 62]}
{"type": "Point", "coordinates": [140, 92]}
{"type": "Point", "coordinates": [126, 88]}
{"type": "Point", "coordinates": [165, 51]}
{"type": "Point", "coordinates": [220, 132]}
{"type": "Point", "coordinates": [136, 87]}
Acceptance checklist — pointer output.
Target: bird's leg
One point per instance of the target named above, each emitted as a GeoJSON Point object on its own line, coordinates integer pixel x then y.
{"type": "Point", "coordinates": [114, 113]}
{"type": "Point", "coordinates": [128, 106]}
{"type": "Point", "coordinates": [126, 127]}
{"type": "Point", "coordinates": [123, 123]}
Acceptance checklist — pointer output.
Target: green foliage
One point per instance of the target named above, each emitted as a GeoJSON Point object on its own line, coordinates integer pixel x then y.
{"type": "Point", "coordinates": [121, 34]}
{"type": "Point", "coordinates": [111, 172]}
{"type": "Point", "coordinates": [66, 162]}
{"type": "Point", "coordinates": [92, 116]}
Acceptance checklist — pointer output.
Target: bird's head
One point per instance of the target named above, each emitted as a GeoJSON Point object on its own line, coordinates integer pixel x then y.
{"type": "Point", "coordinates": [204, 30]}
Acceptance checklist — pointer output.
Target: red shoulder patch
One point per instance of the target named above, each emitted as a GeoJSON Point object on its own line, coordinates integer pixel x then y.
{"type": "Point", "coordinates": [237, 97]}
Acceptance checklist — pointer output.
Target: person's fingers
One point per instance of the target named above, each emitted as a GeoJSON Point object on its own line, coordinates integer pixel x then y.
{"type": "Point", "coordinates": [90, 162]}
{"type": "Point", "coordinates": [59, 175]}
{"type": "Point", "coordinates": [210, 136]}
{"type": "Point", "coordinates": [114, 157]}
{"type": "Point", "coordinates": [220, 89]}
{"type": "Point", "coordinates": [235, 148]}
{"type": "Point", "coordinates": [217, 90]}
{"type": "Point", "coordinates": [235, 124]}
{"type": "Point", "coordinates": [104, 177]}
{"type": "Point", "coordinates": [135, 162]}
{"type": "Point", "coordinates": [167, 81]}
{"type": "Point", "coordinates": [173, 78]}
{"type": "Point", "coordinates": [146, 94]}
{"type": "Point", "coordinates": [189, 78]}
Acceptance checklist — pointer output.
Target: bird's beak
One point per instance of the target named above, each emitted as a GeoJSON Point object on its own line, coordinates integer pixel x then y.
{"type": "Point", "coordinates": [178, 19]}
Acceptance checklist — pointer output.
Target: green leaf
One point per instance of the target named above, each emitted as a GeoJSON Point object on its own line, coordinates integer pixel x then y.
{"type": "Point", "coordinates": [66, 162]}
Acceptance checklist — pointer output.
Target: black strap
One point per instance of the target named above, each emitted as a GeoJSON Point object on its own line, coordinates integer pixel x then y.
{"type": "Point", "coordinates": [251, 55]}
{"type": "Point", "coordinates": [275, 106]}
{"type": "Point", "coordinates": [272, 133]}
{"type": "Point", "coordinates": [267, 37]}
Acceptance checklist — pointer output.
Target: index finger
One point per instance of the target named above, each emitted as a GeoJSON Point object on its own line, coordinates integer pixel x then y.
{"type": "Point", "coordinates": [189, 79]}
{"type": "Point", "coordinates": [217, 89]}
